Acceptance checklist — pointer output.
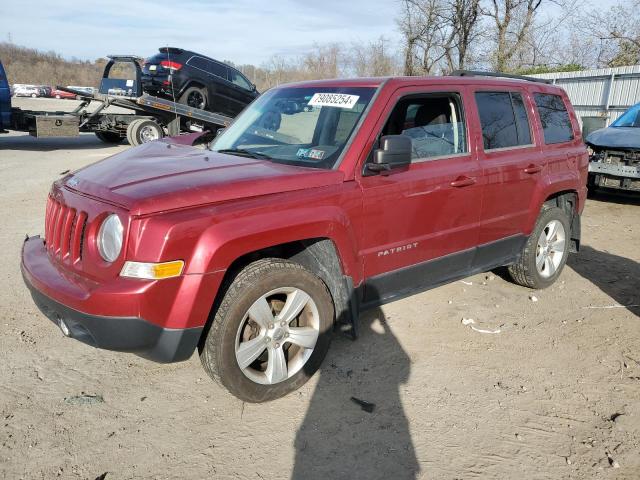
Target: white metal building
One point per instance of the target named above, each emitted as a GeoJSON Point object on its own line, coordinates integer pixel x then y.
{"type": "Point", "coordinates": [599, 96]}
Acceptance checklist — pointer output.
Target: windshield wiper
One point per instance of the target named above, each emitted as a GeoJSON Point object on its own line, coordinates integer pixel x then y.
{"type": "Point", "coordinates": [246, 153]}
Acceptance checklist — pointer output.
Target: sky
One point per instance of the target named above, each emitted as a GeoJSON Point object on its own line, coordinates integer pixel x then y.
{"type": "Point", "coordinates": [243, 31]}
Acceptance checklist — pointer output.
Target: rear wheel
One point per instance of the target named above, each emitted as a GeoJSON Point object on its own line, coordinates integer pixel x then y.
{"type": "Point", "coordinates": [270, 332]}
{"type": "Point", "coordinates": [143, 131]}
{"type": "Point", "coordinates": [545, 253]}
{"type": "Point", "coordinates": [194, 97]}
{"type": "Point", "coordinates": [109, 137]}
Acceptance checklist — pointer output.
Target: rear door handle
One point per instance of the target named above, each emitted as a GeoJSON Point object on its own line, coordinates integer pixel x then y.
{"type": "Point", "coordinates": [463, 181]}
{"type": "Point", "coordinates": [533, 169]}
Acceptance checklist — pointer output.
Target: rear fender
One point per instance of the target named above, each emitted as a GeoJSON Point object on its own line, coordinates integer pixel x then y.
{"type": "Point", "coordinates": [548, 187]}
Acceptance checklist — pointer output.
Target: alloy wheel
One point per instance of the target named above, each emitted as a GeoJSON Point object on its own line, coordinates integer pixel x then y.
{"type": "Point", "coordinates": [277, 335]}
{"type": "Point", "coordinates": [550, 248]}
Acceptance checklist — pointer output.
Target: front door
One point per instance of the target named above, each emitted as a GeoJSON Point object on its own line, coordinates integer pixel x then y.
{"type": "Point", "coordinates": [421, 221]}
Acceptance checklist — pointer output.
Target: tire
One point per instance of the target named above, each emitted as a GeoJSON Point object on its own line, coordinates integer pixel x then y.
{"type": "Point", "coordinates": [195, 97]}
{"type": "Point", "coordinates": [143, 131]}
{"type": "Point", "coordinates": [109, 137]}
{"type": "Point", "coordinates": [58, 97]}
{"type": "Point", "coordinates": [537, 269]}
{"type": "Point", "coordinates": [254, 284]}
{"type": "Point", "coordinates": [33, 95]}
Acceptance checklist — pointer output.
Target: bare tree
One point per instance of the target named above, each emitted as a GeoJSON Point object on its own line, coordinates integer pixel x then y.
{"type": "Point", "coordinates": [512, 21]}
{"type": "Point", "coordinates": [552, 41]}
{"type": "Point", "coordinates": [422, 34]}
{"type": "Point", "coordinates": [438, 34]}
{"type": "Point", "coordinates": [618, 32]}
{"type": "Point", "coordinates": [373, 59]}
{"type": "Point", "coordinates": [462, 16]}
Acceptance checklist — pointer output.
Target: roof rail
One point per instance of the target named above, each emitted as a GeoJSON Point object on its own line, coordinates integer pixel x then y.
{"type": "Point", "coordinates": [478, 73]}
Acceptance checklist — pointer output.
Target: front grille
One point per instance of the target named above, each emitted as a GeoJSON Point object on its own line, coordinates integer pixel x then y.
{"type": "Point", "coordinates": [64, 231]}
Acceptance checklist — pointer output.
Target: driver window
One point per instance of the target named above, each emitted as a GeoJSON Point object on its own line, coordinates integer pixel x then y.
{"type": "Point", "coordinates": [433, 122]}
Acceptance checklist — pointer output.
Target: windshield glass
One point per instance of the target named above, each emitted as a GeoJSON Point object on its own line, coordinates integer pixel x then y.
{"type": "Point", "coordinates": [298, 126]}
{"type": "Point", "coordinates": [630, 118]}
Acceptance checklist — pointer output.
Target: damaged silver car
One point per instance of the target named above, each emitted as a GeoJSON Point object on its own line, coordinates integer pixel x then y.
{"type": "Point", "coordinates": [614, 153]}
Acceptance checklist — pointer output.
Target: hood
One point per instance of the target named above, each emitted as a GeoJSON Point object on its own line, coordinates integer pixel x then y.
{"type": "Point", "coordinates": [157, 176]}
{"type": "Point", "coordinates": [623, 138]}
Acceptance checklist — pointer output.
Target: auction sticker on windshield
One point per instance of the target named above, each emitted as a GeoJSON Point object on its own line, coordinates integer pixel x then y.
{"type": "Point", "coordinates": [341, 100]}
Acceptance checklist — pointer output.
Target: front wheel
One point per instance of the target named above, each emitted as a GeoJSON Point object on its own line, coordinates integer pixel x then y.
{"type": "Point", "coordinates": [545, 253]}
{"type": "Point", "coordinates": [270, 332]}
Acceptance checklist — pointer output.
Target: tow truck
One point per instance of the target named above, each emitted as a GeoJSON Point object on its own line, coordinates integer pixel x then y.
{"type": "Point", "coordinates": [152, 117]}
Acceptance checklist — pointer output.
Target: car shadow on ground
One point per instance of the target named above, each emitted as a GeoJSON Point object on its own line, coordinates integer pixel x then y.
{"type": "Point", "coordinates": [29, 143]}
{"type": "Point", "coordinates": [618, 277]}
{"type": "Point", "coordinates": [343, 438]}
{"type": "Point", "coordinates": [610, 195]}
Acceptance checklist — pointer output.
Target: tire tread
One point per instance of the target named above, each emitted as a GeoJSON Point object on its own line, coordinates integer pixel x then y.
{"type": "Point", "coordinates": [210, 356]}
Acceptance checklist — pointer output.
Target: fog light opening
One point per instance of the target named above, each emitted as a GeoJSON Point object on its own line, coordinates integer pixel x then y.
{"type": "Point", "coordinates": [64, 327]}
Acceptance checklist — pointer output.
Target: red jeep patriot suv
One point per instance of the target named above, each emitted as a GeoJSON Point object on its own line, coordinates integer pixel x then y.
{"type": "Point", "coordinates": [322, 199]}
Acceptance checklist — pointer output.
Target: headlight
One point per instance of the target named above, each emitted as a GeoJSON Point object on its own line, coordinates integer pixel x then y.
{"type": "Point", "coordinates": [110, 238]}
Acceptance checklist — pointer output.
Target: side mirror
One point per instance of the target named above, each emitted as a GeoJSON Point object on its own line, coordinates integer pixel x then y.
{"type": "Point", "coordinates": [394, 151]}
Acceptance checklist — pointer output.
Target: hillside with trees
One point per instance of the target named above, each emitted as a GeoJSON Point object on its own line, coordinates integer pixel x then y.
{"type": "Point", "coordinates": [26, 65]}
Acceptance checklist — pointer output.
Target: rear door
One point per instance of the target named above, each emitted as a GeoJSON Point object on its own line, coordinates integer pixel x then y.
{"type": "Point", "coordinates": [512, 167]}
{"type": "Point", "coordinates": [219, 88]}
{"type": "Point", "coordinates": [421, 221]}
{"type": "Point", "coordinates": [5, 100]}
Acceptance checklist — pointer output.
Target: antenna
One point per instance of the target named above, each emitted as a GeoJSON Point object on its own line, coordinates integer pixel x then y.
{"type": "Point", "coordinates": [173, 93]}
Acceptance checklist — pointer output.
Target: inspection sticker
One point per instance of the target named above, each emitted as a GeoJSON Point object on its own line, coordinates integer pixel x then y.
{"type": "Point", "coordinates": [341, 100]}
{"type": "Point", "coordinates": [316, 154]}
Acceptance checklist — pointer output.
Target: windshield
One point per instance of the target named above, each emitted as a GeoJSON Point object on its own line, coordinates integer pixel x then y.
{"type": "Point", "coordinates": [630, 118]}
{"type": "Point", "coordinates": [298, 126]}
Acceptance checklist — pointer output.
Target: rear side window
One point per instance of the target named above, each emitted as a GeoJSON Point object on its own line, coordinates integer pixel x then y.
{"type": "Point", "coordinates": [504, 120]}
{"type": "Point", "coordinates": [218, 70]}
{"type": "Point", "coordinates": [554, 117]}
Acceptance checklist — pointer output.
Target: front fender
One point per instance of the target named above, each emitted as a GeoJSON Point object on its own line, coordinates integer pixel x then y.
{"type": "Point", "coordinates": [221, 244]}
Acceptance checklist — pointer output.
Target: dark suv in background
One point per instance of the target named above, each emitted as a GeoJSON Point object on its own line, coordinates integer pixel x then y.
{"type": "Point", "coordinates": [198, 81]}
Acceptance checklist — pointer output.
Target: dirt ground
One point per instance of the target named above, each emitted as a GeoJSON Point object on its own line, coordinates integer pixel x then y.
{"type": "Point", "coordinates": [554, 394]}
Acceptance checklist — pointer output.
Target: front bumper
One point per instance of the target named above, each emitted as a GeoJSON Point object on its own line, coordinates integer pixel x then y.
{"type": "Point", "coordinates": [123, 334]}
{"type": "Point", "coordinates": [623, 177]}
{"type": "Point", "coordinates": [113, 318]}
{"type": "Point", "coordinates": [615, 169]}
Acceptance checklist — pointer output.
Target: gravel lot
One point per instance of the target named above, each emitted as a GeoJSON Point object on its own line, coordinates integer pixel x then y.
{"type": "Point", "coordinates": [554, 394]}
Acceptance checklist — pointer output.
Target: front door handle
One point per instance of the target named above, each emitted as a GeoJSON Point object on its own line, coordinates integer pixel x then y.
{"type": "Point", "coordinates": [463, 181]}
{"type": "Point", "coordinates": [533, 169]}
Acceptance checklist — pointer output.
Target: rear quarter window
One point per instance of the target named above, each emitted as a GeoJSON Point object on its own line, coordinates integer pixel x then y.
{"type": "Point", "coordinates": [556, 124]}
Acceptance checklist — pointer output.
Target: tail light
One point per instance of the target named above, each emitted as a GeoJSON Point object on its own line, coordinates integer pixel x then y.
{"type": "Point", "coordinates": [171, 65]}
